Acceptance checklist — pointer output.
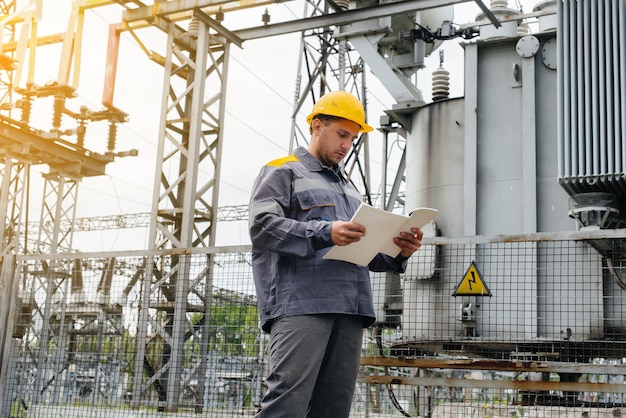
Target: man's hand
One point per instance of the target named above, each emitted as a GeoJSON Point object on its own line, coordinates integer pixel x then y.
{"type": "Point", "coordinates": [409, 242]}
{"type": "Point", "coordinates": [344, 233]}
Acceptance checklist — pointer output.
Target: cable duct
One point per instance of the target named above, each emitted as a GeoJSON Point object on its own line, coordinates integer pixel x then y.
{"type": "Point", "coordinates": [591, 101]}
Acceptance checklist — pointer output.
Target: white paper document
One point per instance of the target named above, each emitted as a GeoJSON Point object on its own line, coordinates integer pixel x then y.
{"type": "Point", "coordinates": [380, 229]}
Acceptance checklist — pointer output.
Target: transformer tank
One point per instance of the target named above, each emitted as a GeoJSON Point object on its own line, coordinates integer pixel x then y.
{"type": "Point", "coordinates": [492, 163]}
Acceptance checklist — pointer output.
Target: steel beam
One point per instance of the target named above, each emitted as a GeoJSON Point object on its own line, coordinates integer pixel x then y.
{"type": "Point", "coordinates": [51, 149]}
{"type": "Point", "coordinates": [516, 365]}
{"type": "Point", "coordinates": [177, 7]}
{"type": "Point", "coordinates": [215, 25]}
{"type": "Point", "coordinates": [184, 209]}
{"type": "Point", "coordinates": [341, 18]}
{"type": "Point", "coordinates": [527, 385]}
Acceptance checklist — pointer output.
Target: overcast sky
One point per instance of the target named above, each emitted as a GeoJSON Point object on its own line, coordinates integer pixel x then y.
{"type": "Point", "coordinates": [259, 102]}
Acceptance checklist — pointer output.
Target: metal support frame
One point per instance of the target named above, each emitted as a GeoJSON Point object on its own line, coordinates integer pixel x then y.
{"type": "Point", "coordinates": [49, 324]}
{"type": "Point", "coordinates": [184, 210]}
{"type": "Point", "coordinates": [14, 174]}
{"type": "Point", "coordinates": [327, 63]}
{"type": "Point", "coordinates": [44, 285]}
{"type": "Point", "coordinates": [58, 208]}
{"type": "Point", "coordinates": [9, 61]}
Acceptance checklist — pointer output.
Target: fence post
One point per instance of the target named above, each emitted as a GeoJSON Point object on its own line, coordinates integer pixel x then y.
{"type": "Point", "coordinates": [8, 311]}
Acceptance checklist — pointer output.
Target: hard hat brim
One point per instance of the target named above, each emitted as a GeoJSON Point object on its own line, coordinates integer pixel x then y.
{"type": "Point", "coordinates": [365, 128]}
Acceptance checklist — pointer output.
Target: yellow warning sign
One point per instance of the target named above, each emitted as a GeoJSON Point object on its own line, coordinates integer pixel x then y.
{"type": "Point", "coordinates": [472, 284]}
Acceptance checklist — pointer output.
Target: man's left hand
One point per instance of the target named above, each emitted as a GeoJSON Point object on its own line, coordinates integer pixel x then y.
{"type": "Point", "coordinates": [409, 242]}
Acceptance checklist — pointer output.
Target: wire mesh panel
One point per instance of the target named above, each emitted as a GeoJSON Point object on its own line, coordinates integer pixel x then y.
{"type": "Point", "coordinates": [501, 326]}
{"type": "Point", "coordinates": [483, 327]}
{"type": "Point", "coordinates": [76, 340]}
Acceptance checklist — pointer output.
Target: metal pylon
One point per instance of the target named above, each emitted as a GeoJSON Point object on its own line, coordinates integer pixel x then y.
{"type": "Point", "coordinates": [185, 202]}
{"type": "Point", "coordinates": [58, 208]}
{"type": "Point", "coordinates": [14, 173]}
{"type": "Point", "coordinates": [43, 285]}
{"type": "Point", "coordinates": [328, 64]}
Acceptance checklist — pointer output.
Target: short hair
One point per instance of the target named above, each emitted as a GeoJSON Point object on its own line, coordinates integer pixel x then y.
{"type": "Point", "coordinates": [323, 118]}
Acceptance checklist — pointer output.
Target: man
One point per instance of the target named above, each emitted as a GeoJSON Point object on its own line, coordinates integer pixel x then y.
{"type": "Point", "coordinates": [314, 309]}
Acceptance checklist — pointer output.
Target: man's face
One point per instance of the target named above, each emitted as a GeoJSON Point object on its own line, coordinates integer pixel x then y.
{"type": "Point", "coordinates": [332, 139]}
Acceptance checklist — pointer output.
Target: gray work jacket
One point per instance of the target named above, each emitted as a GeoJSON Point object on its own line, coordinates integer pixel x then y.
{"type": "Point", "coordinates": [294, 201]}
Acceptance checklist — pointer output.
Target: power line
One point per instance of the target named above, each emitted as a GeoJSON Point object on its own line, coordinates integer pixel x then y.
{"type": "Point", "coordinates": [134, 220]}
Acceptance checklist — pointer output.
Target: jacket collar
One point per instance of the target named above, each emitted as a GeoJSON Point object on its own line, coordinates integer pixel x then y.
{"type": "Point", "coordinates": [312, 163]}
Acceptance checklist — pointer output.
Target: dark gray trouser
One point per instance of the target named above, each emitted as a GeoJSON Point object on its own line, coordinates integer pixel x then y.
{"type": "Point", "coordinates": [314, 362]}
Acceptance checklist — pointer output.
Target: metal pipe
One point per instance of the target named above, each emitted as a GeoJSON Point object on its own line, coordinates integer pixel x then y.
{"type": "Point", "coordinates": [602, 89]}
{"type": "Point", "coordinates": [572, 86]}
{"type": "Point", "coordinates": [606, 146]}
{"type": "Point", "coordinates": [579, 64]}
{"type": "Point", "coordinates": [613, 124]}
{"type": "Point", "coordinates": [563, 129]}
{"type": "Point", "coordinates": [620, 150]}
{"type": "Point", "coordinates": [471, 141]}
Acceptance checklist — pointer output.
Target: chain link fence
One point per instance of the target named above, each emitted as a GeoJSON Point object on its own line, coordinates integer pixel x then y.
{"type": "Point", "coordinates": [510, 326]}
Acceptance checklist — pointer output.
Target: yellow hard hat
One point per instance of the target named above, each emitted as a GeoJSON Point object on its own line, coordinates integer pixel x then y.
{"type": "Point", "coordinates": [343, 105]}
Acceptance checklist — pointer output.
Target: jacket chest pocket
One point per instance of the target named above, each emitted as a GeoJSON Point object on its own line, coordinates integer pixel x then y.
{"type": "Point", "coordinates": [317, 205]}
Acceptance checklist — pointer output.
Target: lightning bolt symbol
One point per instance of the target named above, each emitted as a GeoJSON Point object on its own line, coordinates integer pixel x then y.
{"type": "Point", "coordinates": [472, 280]}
